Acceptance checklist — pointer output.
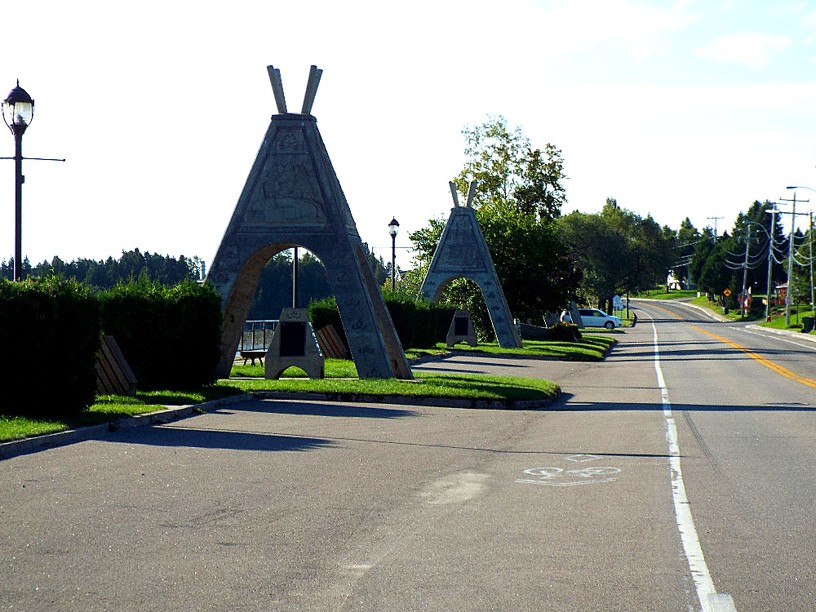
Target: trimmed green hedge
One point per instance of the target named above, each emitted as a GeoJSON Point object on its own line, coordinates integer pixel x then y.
{"type": "Point", "coordinates": [49, 335]}
{"type": "Point", "coordinates": [50, 330]}
{"type": "Point", "coordinates": [419, 323]}
{"type": "Point", "coordinates": [170, 336]}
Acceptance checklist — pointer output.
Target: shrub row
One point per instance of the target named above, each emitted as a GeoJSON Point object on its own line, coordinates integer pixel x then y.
{"type": "Point", "coordinates": [50, 330]}
{"type": "Point", "coordinates": [49, 335]}
{"type": "Point", "coordinates": [170, 336]}
{"type": "Point", "coordinates": [419, 323]}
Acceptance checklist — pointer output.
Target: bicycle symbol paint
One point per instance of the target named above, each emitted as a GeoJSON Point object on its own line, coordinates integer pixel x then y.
{"type": "Point", "coordinates": [559, 477]}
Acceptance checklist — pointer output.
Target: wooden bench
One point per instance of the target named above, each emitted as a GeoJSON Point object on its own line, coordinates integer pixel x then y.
{"type": "Point", "coordinates": [331, 345]}
{"type": "Point", "coordinates": [252, 355]}
{"type": "Point", "coordinates": [113, 374]}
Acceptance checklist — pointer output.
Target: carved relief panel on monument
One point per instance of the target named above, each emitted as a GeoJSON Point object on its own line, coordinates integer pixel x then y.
{"type": "Point", "coordinates": [460, 254]}
{"type": "Point", "coordinates": [289, 192]}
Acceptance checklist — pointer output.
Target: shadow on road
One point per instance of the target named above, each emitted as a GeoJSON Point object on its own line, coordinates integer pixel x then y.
{"type": "Point", "coordinates": [682, 351]}
{"type": "Point", "coordinates": [327, 409]}
{"type": "Point", "coordinates": [566, 403]}
{"type": "Point", "coordinates": [215, 439]}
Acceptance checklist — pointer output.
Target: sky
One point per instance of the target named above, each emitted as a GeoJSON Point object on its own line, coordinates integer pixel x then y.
{"type": "Point", "coordinates": [686, 108]}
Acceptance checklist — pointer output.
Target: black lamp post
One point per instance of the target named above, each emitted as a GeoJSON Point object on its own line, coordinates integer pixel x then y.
{"type": "Point", "coordinates": [393, 228]}
{"type": "Point", "coordinates": [18, 111]}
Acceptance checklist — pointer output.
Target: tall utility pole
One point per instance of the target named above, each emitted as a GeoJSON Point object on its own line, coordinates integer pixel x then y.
{"type": "Point", "coordinates": [715, 219]}
{"type": "Point", "coordinates": [772, 212]}
{"type": "Point", "coordinates": [810, 254]}
{"type": "Point", "coordinates": [743, 297]}
{"type": "Point", "coordinates": [789, 293]}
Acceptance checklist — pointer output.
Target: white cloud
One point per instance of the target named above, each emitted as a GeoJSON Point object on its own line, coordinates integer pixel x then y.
{"type": "Point", "coordinates": [750, 48]}
{"type": "Point", "coordinates": [578, 26]}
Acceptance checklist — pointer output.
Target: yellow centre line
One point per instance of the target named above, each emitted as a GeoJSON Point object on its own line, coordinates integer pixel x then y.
{"type": "Point", "coordinates": [782, 370]}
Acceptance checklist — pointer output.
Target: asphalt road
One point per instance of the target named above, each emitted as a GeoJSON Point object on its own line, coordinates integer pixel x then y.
{"type": "Point", "coordinates": [301, 505]}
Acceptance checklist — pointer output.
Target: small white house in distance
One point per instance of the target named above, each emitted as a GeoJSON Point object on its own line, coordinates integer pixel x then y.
{"type": "Point", "coordinates": [672, 282]}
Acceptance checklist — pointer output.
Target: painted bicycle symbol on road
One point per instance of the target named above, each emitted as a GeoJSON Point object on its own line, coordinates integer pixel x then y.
{"type": "Point", "coordinates": [560, 477]}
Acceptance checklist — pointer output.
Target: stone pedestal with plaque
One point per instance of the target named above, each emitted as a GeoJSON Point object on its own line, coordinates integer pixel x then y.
{"type": "Point", "coordinates": [294, 344]}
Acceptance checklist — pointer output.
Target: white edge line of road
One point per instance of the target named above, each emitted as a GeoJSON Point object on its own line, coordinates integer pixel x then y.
{"type": "Point", "coordinates": [710, 599]}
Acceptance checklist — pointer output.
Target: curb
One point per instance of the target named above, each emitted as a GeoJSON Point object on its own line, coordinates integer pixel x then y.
{"type": "Point", "coordinates": [402, 400]}
{"type": "Point", "coordinates": [14, 448]}
{"type": "Point", "coordinates": [782, 332]}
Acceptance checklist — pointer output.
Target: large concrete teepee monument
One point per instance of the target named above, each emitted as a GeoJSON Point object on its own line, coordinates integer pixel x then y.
{"type": "Point", "coordinates": [463, 253]}
{"type": "Point", "coordinates": [292, 198]}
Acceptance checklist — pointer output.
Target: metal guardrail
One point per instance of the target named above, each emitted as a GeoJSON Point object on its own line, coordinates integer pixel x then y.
{"type": "Point", "coordinates": [257, 334]}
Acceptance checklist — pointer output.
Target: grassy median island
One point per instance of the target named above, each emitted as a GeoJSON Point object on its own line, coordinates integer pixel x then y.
{"type": "Point", "coordinates": [341, 382]}
{"type": "Point", "coordinates": [425, 385]}
{"type": "Point", "coordinates": [588, 348]}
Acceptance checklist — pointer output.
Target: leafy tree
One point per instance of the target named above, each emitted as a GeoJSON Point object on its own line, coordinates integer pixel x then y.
{"type": "Point", "coordinates": [803, 265]}
{"type": "Point", "coordinates": [704, 247]}
{"type": "Point", "coordinates": [748, 224]}
{"type": "Point", "coordinates": [715, 276]}
{"type": "Point", "coordinates": [508, 171]}
{"type": "Point", "coordinates": [532, 262]}
{"type": "Point", "coordinates": [618, 251]}
{"type": "Point", "coordinates": [687, 237]}
{"type": "Point", "coordinates": [600, 251]}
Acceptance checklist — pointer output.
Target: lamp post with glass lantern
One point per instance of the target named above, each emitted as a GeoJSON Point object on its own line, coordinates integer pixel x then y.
{"type": "Point", "coordinates": [393, 228]}
{"type": "Point", "coordinates": [18, 111]}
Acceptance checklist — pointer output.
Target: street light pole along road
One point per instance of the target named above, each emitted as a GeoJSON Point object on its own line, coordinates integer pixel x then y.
{"type": "Point", "coordinates": [18, 112]}
{"type": "Point", "coordinates": [393, 228]}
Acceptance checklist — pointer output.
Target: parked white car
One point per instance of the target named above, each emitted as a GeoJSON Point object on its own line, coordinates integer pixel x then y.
{"type": "Point", "coordinates": [592, 317]}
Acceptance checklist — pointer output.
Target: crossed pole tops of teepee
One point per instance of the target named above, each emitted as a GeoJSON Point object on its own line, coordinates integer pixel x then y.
{"type": "Point", "coordinates": [311, 89]}
{"type": "Point", "coordinates": [455, 194]}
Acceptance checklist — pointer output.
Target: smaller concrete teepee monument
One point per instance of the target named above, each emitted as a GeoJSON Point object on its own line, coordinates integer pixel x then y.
{"type": "Point", "coordinates": [463, 253]}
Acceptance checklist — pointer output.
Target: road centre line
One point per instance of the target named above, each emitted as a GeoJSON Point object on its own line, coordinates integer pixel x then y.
{"type": "Point", "coordinates": [710, 599]}
{"type": "Point", "coordinates": [779, 369]}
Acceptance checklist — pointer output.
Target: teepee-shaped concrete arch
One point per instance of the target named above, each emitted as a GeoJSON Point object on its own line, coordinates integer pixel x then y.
{"type": "Point", "coordinates": [463, 253]}
{"type": "Point", "coordinates": [292, 198]}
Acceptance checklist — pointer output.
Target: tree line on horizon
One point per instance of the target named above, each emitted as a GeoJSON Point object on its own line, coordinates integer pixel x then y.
{"type": "Point", "coordinates": [275, 286]}
{"type": "Point", "coordinates": [106, 274]}
{"type": "Point", "coordinates": [543, 258]}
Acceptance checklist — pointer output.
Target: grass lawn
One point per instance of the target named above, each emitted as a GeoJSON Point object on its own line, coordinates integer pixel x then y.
{"type": "Point", "coordinates": [425, 385]}
{"type": "Point", "coordinates": [758, 314]}
{"type": "Point", "coordinates": [661, 294]}
{"type": "Point", "coordinates": [778, 319]}
{"type": "Point", "coordinates": [107, 408]}
{"type": "Point", "coordinates": [591, 347]}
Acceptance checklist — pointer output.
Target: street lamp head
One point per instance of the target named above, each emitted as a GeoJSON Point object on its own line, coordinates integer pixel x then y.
{"type": "Point", "coordinates": [792, 187]}
{"type": "Point", "coordinates": [18, 110]}
{"type": "Point", "coordinates": [393, 227]}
